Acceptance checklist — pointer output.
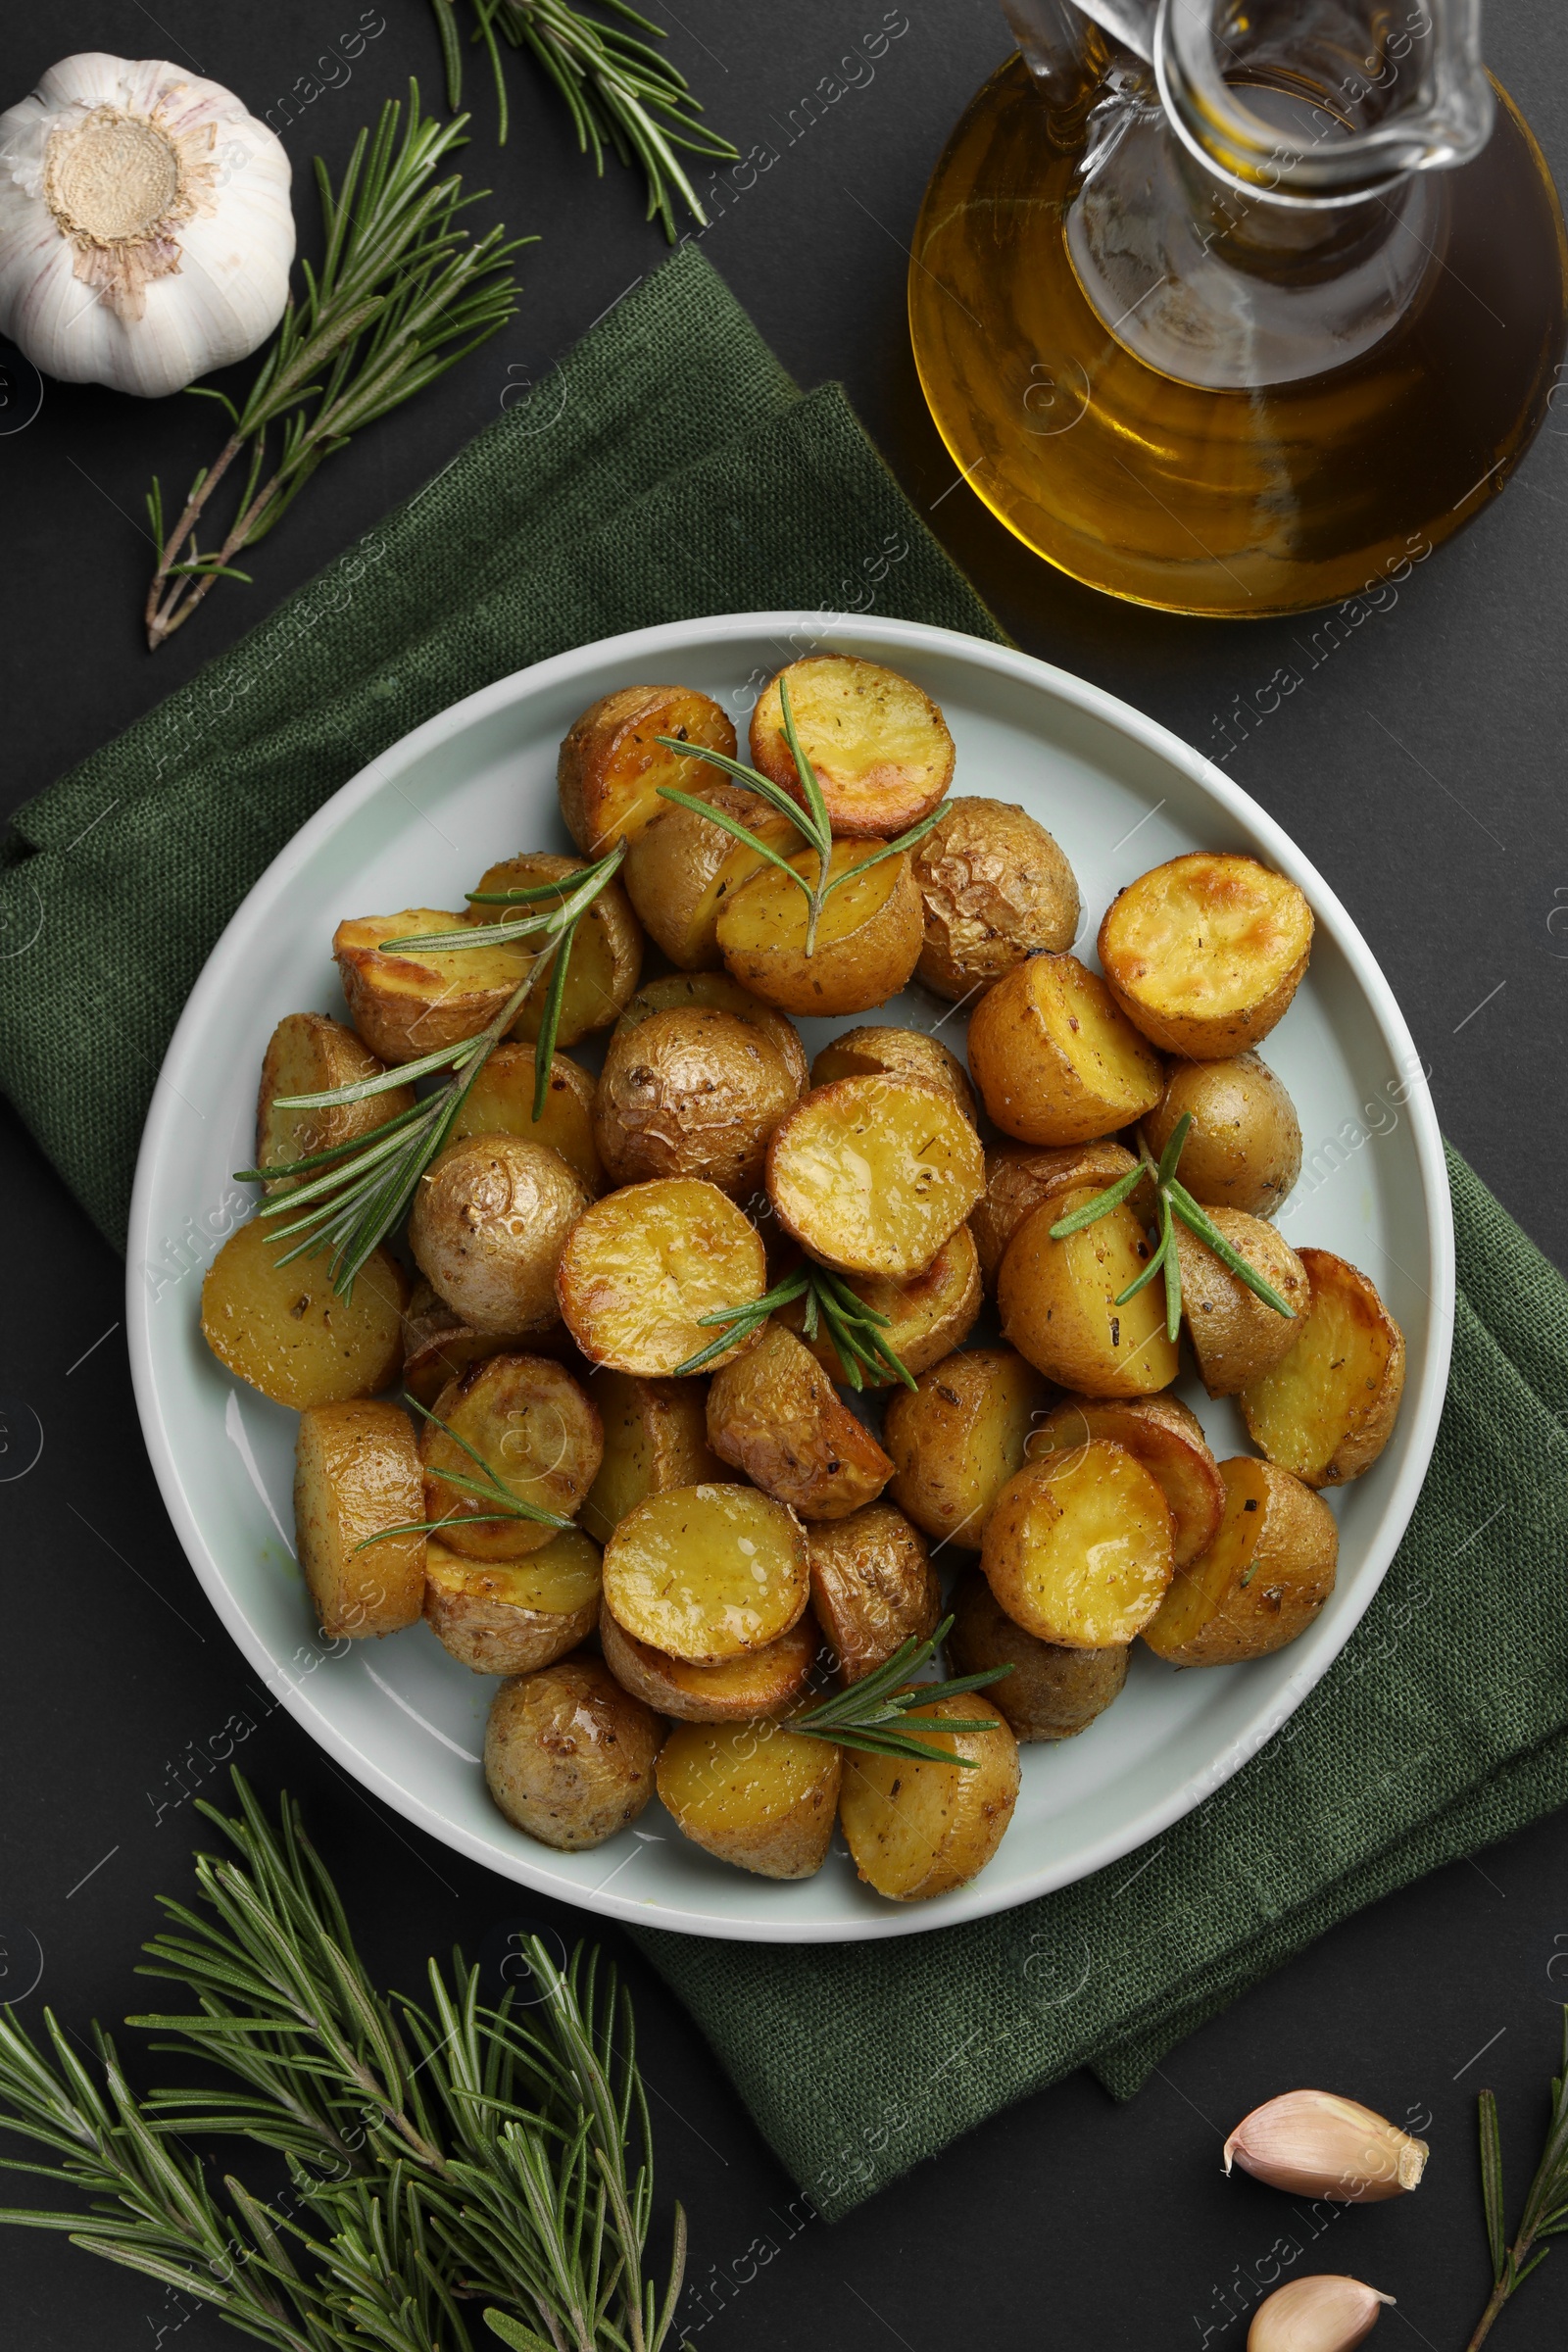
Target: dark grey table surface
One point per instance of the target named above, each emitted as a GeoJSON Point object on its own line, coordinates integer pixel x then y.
{"type": "Point", "coordinates": [1422, 768]}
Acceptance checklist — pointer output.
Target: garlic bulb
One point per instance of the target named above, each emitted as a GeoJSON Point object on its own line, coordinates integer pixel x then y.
{"type": "Point", "coordinates": [1316, 2315]}
{"type": "Point", "coordinates": [1317, 2145]}
{"type": "Point", "coordinates": [145, 230]}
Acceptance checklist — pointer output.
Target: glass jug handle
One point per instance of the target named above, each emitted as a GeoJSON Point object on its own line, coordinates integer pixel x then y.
{"type": "Point", "coordinates": [1051, 33]}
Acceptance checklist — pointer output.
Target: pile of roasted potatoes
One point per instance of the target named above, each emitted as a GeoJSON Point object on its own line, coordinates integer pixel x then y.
{"type": "Point", "coordinates": [741, 1536]}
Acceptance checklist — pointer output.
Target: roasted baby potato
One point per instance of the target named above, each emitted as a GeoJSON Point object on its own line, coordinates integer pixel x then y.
{"type": "Point", "coordinates": [706, 1573]}
{"type": "Point", "coordinates": [656, 1436]}
{"type": "Point", "coordinates": [407, 1002]}
{"type": "Point", "coordinates": [285, 1330]}
{"type": "Point", "coordinates": [513, 1616]}
{"type": "Point", "coordinates": [643, 1266]}
{"type": "Point", "coordinates": [1057, 1302]}
{"type": "Point", "coordinates": [996, 889]}
{"type": "Point", "coordinates": [1204, 954]}
{"type": "Point", "coordinates": [356, 1479]}
{"type": "Point", "coordinates": [752, 1793]}
{"type": "Point", "coordinates": [1020, 1177]}
{"type": "Point", "coordinates": [1237, 1335]}
{"type": "Point", "coordinates": [1244, 1147]}
{"type": "Point", "coordinates": [1162, 1434]}
{"type": "Point", "coordinates": [1054, 1060]}
{"type": "Point", "coordinates": [958, 1437]}
{"type": "Point", "coordinates": [871, 1175]}
{"type": "Point", "coordinates": [606, 955]}
{"type": "Point", "coordinates": [691, 1093]}
{"type": "Point", "coordinates": [1078, 1549]}
{"type": "Point", "coordinates": [490, 1220]}
{"type": "Point", "coordinates": [1327, 1409]}
{"type": "Point", "coordinates": [920, 1829]}
{"type": "Point", "coordinates": [774, 1414]}
{"type": "Point", "coordinates": [926, 1317]}
{"type": "Point", "coordinates": [761, 1682]}
{"type": "Point", "coordinates": [538, 1432]}
{"type": "Point", "coordinates": [309, 1055]}
{"type": "Point", "coordinates": [1263, 1580]}
{"type": "Point", "coordinates": [878, 747]}
{"type": "Point", "coordinates": [569, 1754]}
{"type": "Point", "coordinates": [611, 764]}
{"type": "Point", "coordinates": [500, 1102]}
{"type": "Point", "coordinates": [867, 937]}
{"type": "Point", "coordinates": [682, 867]}
{"type": "Point", "coordinates": [873, 1588]}
{"type": "Point", "coordinates": [878, 1051]}
{"type": "Point", "coordinates": [438, 1345]}
{"type": "Point", "coordinates": [1051, 1693]}
{"type": "Point", "coordinates": [717, 992]}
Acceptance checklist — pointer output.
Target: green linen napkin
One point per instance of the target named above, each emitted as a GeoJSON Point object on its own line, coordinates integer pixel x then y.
{"type": "Point", "coordinates": [669, 469]}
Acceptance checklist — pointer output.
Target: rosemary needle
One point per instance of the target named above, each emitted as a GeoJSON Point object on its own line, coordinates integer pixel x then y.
{"type": "Point", "coordinates": [869, 1715]}
{"type": "Point", "coordinates": [855, 1328]}
{"type": "Point", "coordinates": [488, 1487]}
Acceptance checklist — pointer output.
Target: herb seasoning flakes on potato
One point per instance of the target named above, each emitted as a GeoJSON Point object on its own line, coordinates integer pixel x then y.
{"type": "Point", "coordinates": [774, 1414]}
{"type": "Point", "coordinates": [1051, 1693]}
{"type": "Point", "coordinates": [717, 992]}
{"type": "Point", "coordinates": [513, 1616]}
{"type": "Point", "coordinates": [1263, 1578]}
{"type": "Point", "coordinates": [873, 1586]}
{"type": "Point", "coordinates": [691, 1093]}
{"type": "Point", "coordinates": [873, 1175]}
{"type": "Point", "coordinates": [755, 1794]}
{"type": "Point", "coordinates": [958, 1436]}
{"type": "Point", "coordinates": [356, 1481]}
{"type": "Point", "coordinates": [996, 889]}
{"type": "Point", "coordinates": [539, 1435]}
{"type": "Point", "coordinates": [286, 1331]}
{"type": "Point", "coordinates": [1057, 1302]}
{"type": "Point", "coordinates": [570, 1755]}
{"type": "Point", "coordinates": [489, 1223]}
{"type": "Point", "coordinates": [918, 1828]}
{"type": "Point", "coordinates": [867, 938]}
{"type": "Point", "coordinates": [1327, 1409]}
{"type": "Point", "coordinates": [1204, 954]}
{"type": "Point", "coordinates": [1078, 1549]}
{"type": "Point", "coordinates": [878, 747]}
{"type": "Point", "coordinates": [1054, 1060]}
{"type": "Point", "coordinates": [1237, 1335]}
{"type": "Point", "coordinates": [1244, 1147]}
{"type": "Point", "coordinates": [707, 1572]}
{"type": "Point", "coordinates": [611, 763]}
{"type": "Point", "coordinates": [606, 955]}
{"type": "Point", "coordinates": [643, 1267]}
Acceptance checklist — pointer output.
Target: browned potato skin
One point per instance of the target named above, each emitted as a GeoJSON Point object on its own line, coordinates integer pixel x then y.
{"type": "Point", "coordinates": [570, 1755]}
{"type": "Point", "coordinates": [878, 1051]}
{"type": "Point", "coordinates": [400, 1002]}
{"type": "Point", "coordinates": [1056, 1310]}
{"type": "Point", "coordinates": [1351, 1441]}
{"type": "Point", "coordinates": [761, 1682]}
{"type": "Point", "coordinates": [691, 1093]}
{"type": "Point", "coordinates": [545, 1432]}
{"type": "Point", "coordinates": [928, 1316]}
{"type": "Point", "coordinates": [936, 1435]}
{"type": "Point", "coordinates": [873, 1588]}
{"type": "Point", "coordinates": [1244, 1147]}
{"type": "Point", "coordinates": [1162, 1434]}
{"type": "Point", "coordinates": [1032, 1086]}
{"type": "Point", "coordinates": [309, 1054]}
{"type": "Point", "coordinates": [717, 992]}
{"type": "Point", "coordinates": [1022, 1177]}
{"type": "Point", "coordinates": [682, 867]}
{"type": "Point", "coordinates": [865, 797]}
{"type": "Point", "coordinates": [656, 1436]}
{"type": "Point", "coordinates": [613, 1301]}
{"type": "Point", "coordinates": [886, 1803]}
{"type": "Point", "coordinates": [1279, 946]}
{"type": "Point", "coordinates": [1051, 1693]}
{"type": "Point", "coordinates": [1260, 1597]}
{"type": "Point", "coordinates": [774, 1414]}
{"type": "Point", "coordinates": [284, 1330]}
{"type": "Point", "coordinates": [500, 1102]}
{"type": "Point", "coordinates": [356, 1475]}
{"type": "Point", "coordinates": [1237, 1335]}
{"type": "Point", "coordinates": [867, 940]}
{"type": "Point", "coordinates": [996, 888]}
{"type": "Point", "coordinates": [896, 1230]}
{"type": "Point", "coordinates": [489, 1225]}
{"type": "Point", "coordinates": [606, 956]}
{"type": "Point", "coordinates": [467, 1608]}
{"type": "Point", "coordinates": [610, 765]}
{"type": "Point", "coordinates": [438, 1347]}
{"type": "Point", "coordinates": [754, 1794]}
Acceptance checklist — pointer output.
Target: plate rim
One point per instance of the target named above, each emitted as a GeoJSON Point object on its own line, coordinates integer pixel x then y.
{"type": "Point", "coordinates": [849, 633]}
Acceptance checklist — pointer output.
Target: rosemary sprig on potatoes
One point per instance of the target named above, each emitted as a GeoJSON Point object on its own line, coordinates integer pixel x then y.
{"type": "Point", "coordinates": [854, 1329]}
{"type": "Point", "coordinates": [486, 1488]}
{"type": "Point", "coordinates": [871, 1713]}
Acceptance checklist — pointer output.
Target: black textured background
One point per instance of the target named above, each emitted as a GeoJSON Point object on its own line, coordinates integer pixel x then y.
{"type": "Point", "coordinates": [1421, 767]}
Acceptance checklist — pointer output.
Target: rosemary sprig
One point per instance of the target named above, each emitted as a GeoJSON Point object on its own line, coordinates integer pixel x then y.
{"type": "Point", "coordinates": [1546, 2213]}
{"type": "Point", "coordinates": [401, 295]}
{"type": "Point", "coordinates": [363, 1187]}
{"type": "Point", "coordinates": [488, 1487]}
{"type": "Point", "coordinates": [868, 1713]}
{"type": "Point", "coordinates": [1172, 1201]}
{"type": "Point", "coordinates": [616, 85]}
{"type": "Point", "coordinates": [809, 815]}
{"type": "Point", "coordinates": [854, 1329]}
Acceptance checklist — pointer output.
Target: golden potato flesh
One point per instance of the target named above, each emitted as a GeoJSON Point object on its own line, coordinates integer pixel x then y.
{"type": "Point", "coordinates": [878, 747]}
{"type": "Point", "coordinates": [918, 1829]}
{"type": "Point", "coordinates": [606, 955]}
{"type": "Point", "coordinates": [643, 1267]}
{"type": "Point", "coordinates": [611, 763]}
{"type": "Point", "coordinates": [873, 1588]}
{"type": "Point", "coordinates": [775, 1414]}
{"type": "Point", "coordinates": [1020, 1177]}
{"type": "Point", "coordinates": [1078, 1549]}
{"type": "Point", "coordinates": [407, 1002]}
{"type": "Point", "coordinates": [1054, 1060]}
{"type": "Point", "coordinates": [513, 1616]}
{"type": "Point", "coordinates": [691, 1093]}
{"type": "Point", "coordinates": [500, 1102]}
{"type": "Point", "coordinates": [958, 1437]}
{"type": "Point", "coordinates": [1244, 1147]}
{"type": "Point", "coordinates": [883, 1051]}
{"type": "Point", "coordinates": [867, 937]}
{"type": "Point", "coordinates": [1051, 1693]}
{"type": "Point", "coordinates": [1162, 1434]}
{"type": "Point", "coordinates": [927, 1316]}
{"type": "Point", "coordinates": [1237, 1335]}
{"type": "Point", "coordinates": [680, 871]}
{"type": "Point", "coordinates": [356, 1478]}
{"type": "Point", "coordinates": [1057, 1302]}
{"type": "Point", "coordinates": [1327, 1409]}
{"type": "Point", "coordinates": [538, 1433]}
{"type": "Point", "coordinates": [1206, 952]}
{"type": "Point", "coordinates": [873, 1175]}
{"type": "Point", "coordinates": [569, 1754]}
{"type": "Point", "coordinates": [1263, 1580]}
{"type": "Point", "coordinates": [707, 1572]}
{"type": "Point", "coordinates": [656, 1436]}
{"type": "Point", "coordinates": [996, 889]}
{"type": "Point", "coordinates": [489, 1223]}
{"type": "Point", "coordinates": [761, 1682]}
{"type": "Point", "coordinates": [717, 992]}
{"type": "Point", "coordinates": [438, 1345]}
{"type": "Point", "coordinates": [309, 1055]}
{"type": "Point", "coordinates": [752, 1794]}
{"type": "Point", "coordinates": [288, 1333]}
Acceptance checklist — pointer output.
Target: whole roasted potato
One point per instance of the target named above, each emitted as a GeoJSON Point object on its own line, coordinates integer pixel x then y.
{"type": "Point", "coordinates": [500, 1102]}
{"type": "Point", "coordinates": [607, 954]}
{"type": "Point", "coordinates": [1244, 1147]}
{"type": "Point", "coordinates": [1237, 1335]}
{"type": "Point", "coordinates": [752, 1793]}
{"type": "Point", "coordinates": [407, 1002]}
{"type": "Point", "coordinates": [1051, 1693]}
{"type": "Point", "coordinates": [356, 1481]}
{"type": "Point", "coordinates": [438, 1345]}
{"type": "Point", "coordinates": [867, 937]}
{"type": "Point", "coordinates": [656, 1436]}
{"type": "Point", "coordinates": [537, 1432]}
{"type": "Point", "coordinates": [873, 1586]}
{"type": "Point", "coordinates": [286, 1331]}
{"type": "Point", "coordinates": [882, 1052]}
{"type": "Point", "coordinates": [490, 1221]}
{"type": "Point", "coordinates": [706, 1573]}
{"type": "Point", "coordinates": [927, 1317]}
{"type": "Point", "coordinates": [1204, 954]}
{"type": "Point", "coordinates": [1020, 1177]}
{"type": "Point", "coordinates": [1078, 1549]}
{"type": "Point", "coordinates": [774, 1414]}
{"type": "Point", "coordinates": [570, 1755]}
{"type": "Point", "coordinates": [717, 992]}
{"type": "Point", "coordinates": [611, 763]}
{"type": "Point", "coordinates": [681, 869]}
{"type": "Point", "coordinates": [1327, 1409]}
{"type": "Point", "coordinates": [1057, 1302]}
{"type": "Point", "coordinates": [309, 1055]}
{"type": "Point", "coordinates": [1263, 1578]}
{"type": "Point", "coordinates": [873, 1175]}
{"type": "Point", "coordinates": [642, 1267]}
{"type": "Point", "coordinates": [918, 1829]}
{"type": "Point", "coordinates": [1054, 1060]}
{"type": "Point", "coordinates": [760, 1682]}
{"type": "Point", "coordinates": [1162, 1434]}
{"type": "Point", "coordinates": [958, 1437]}
{"type": "Point", "coordinates": [996, 889]}
{"type": "Point", "coordinates": [878, 747]}
{"type": "Point", "coordinates": [691, 1093]}
{"type": "Point", "coordinates": [513, 1616]}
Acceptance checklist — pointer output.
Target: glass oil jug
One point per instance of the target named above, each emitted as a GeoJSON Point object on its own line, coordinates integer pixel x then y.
{"type": "Point", "coordinates": [1238, 306]}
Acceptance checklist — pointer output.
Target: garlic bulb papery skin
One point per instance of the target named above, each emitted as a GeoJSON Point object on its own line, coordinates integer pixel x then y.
{"type": "Point", "coordinates": [1316, 2145]}
{"type": "Point", "coordinates": [1316, 2315]}
{"type": "Point", "coordinates": [145, 226]}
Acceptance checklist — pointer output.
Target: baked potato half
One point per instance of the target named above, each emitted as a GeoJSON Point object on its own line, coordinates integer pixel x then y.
{"type": "Point", "coordinates": [1244, 1147]}
{"type": "Point", "coordinates": [1162, 1434]}
{"type": "Point", "coordinates": [489, 1224]}
{"type": "Point", "coordinates": [996, 889]}
{"type": "Point", "coordinates": [758, 1683]}
{"type": "Point", "coordinates": [1263, 1580]}
{"type": "Point", "coordinates": [606, 955]}
{"type": "Point", "coordinates": [752, 1793]}
{"type": "Point", "coordinates": [1327, 1407]}
{"type": "Point", "coordinates": [642, 1267]}
{"type": "Point", "coordinates": [513, 1616]}
{"type": "Point", "coordinates": [1205, 952]}
{"type": "Point", "coordinates": [706, 1573]}
{"type": "Point", "coordinates": [1237, 1335]}
{"type": "Point", "coordinates": [1020, 1177]}
{"type": "Point", "coordinates": [356, 1481]}
{"type": "Point", "coordinates": [500, 1102]}
{"type": "Point", "coordinates": [1054, 1060]}
{"type": "Point", "coordinates": [1057, 1302]}
{"type": "Point", "coordinates": [691, 1093]}
{"type": "Point", "coordinates": [683, 867]}
{"type": "Point", "coordinates": [570, 1755]}
{"type": "Point", "coordinates": [407, 1002]}
{"type": "Point", "coordinates": [958, 1436]}
{"type": "Point", "coordinates": [539, 1434]}
{"type": "Point", "coordinates": [287, 1332]}
{"type": "Point", "coordinates": [774, 1414]}
{"type": "Point", "coordinates": [438, 1345]}
{"type": "Point", "coordinates": [867, 936]}
{"type": "Point", "coordinates": [918, 1829]}
{"type": "Point", "coordinates": [927, 1317]}
{"type": "Point", "coordinates": [873, 1588]}
{"type": "Point", "coordinates": [878, 1051]}
{"type": "Point", "coordinates": [309, 1054]}
{"type": "Point", "coordinates": [1078, 1549]}
{"type": "Point", "coordinates": [878, 747]}
{"type": "Point", "coordinates": [612, 762]}
{"type": "Point", "coordinates": [717, 992]}
{"type": "Point", "coordinates": [1051, 1693]}
{"type": "Point", "coordinates": [656, 1436]}
{"type": "Point", "coordinates": [873, 1175]}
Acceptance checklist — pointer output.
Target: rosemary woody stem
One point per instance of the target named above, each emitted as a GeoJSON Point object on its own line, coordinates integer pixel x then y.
{"type": "Point", "coordinates": [180, 607]}
{"type": "Point", "coordinates": [1500, 2296]}
{"type": "Point", "coordinates": [157, 622]}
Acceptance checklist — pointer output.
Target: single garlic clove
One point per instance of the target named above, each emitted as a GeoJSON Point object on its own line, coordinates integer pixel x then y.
{"type": "Point", "coordinates": [1315, 2144]}
{"type": "Point", "coordinates": [1316, 2315]}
